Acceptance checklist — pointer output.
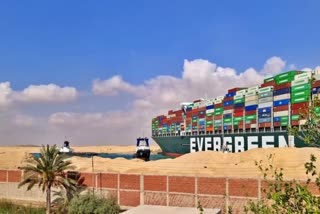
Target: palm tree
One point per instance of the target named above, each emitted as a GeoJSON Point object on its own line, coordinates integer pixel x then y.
{"type": "Point", "coordinates": [64, 196]}
{"type": "Point", "coordinates": [47, 171]}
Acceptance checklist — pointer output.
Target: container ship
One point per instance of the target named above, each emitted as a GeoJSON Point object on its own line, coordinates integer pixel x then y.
{"type": "Point", "coordinates": [242, 119]}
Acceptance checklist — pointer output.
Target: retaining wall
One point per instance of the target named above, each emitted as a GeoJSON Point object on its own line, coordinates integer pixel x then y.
{"type": "Point", "coordinates": [135, 189]}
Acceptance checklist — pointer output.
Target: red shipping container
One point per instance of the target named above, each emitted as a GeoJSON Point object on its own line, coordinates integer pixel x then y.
{"type": "Point", "coordinates": [261, 125]}
{"type": "Point", "coordinates": [316, 84]}
{"type": "Point", "coordinates": [281, 108]}
{"type": "Point", "coordinates": [295, 123]}
{"type": "Point", "coordinates": [271, 83]}
{"type": "Point", "coordinates": [209, 118]}
{"type": "Point", "coordinates": [282, 86]}
{"type": "Point", "coordinates": [218, 117]}
{"type": "Point", "coordinates": [170, 112]}
{"type": "Point", "coordinates": [248, 126]}
{"type": "Point", "coordinates": [237, 114]}
{"type": "Point", "coordinates": [299, 105]}
{"type": "Point", "coordinates": [253, 121]}
{"type": "Point", "coordinates": [218, 105]}
{"type": "Point", "coordinates": [228, 107]}
{"type": "Point", "coordinates": [202, 109]}
{"type": "Point", "coordinates": [240, 109]}
{"type": "Point", "coordinates": [267, 125]}
{"type": "Point", "coordinates": [232, 90]}
{"type": "Point", "coordinates": [240, 123]}
{"type": "Point", "coordinates": [299, 111]}
{"type": "Point", "coordinates": [277, 124]}
{"type": "Point", "coordinates": [227, 99]}
{"type": "Point", "coordinates": [250, 112]}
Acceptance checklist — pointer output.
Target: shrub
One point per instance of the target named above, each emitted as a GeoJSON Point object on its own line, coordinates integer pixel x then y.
{"type": "Point", "coordinates": [90, 203]}
{"type": "Point", "coordinates": [9, 207]}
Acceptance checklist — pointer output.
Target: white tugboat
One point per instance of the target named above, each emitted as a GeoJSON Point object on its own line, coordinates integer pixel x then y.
{"type": "Point", "coordinates": [66, 148]}
{"type": "Point", "coordinates": [142, 149]}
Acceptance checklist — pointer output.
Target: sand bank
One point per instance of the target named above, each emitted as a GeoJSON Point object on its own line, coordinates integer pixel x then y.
{"type": "Point", "coordinates": [201, 163]}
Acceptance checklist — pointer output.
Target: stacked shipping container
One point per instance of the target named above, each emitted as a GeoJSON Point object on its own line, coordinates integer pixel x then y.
{"type": "Point", "coordinates": [277, 103]}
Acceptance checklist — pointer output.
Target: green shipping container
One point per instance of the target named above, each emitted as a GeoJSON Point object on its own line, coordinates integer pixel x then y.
{"type": "Point", "coordinates": [295, 117]}
{"type": "Point", "coordinates": [218, 109]}
{"type": "Point", "coordinates": [303, 87]}
{"type": "Point", "coordinates": [210, 122]}
{"type": "Point", "coordinates": [317, 109]}
{"type": "Point", "coordinates": [248, 121]}
{"type": "Point", "coordinates": [284, 119]}
{"type": "Point", "coordinates": [305, 93]}
{"type": "Point", "coordinates": [209, 114]}
{"type": "Point", "coordinates": [251, 117]}
{"type": "Point", "coordinates": [227, 120]}
{"type": "Point", "coordinates": [194, 120]}
{"type": "Point", "coordinates": [236, 123]}
{"type": "Point", "coordinates": [268, 79]}
{"type": "Point", "coordinates": [238, 119]}
{"type": "Point", "coordinates": [284, 123]}
{"type": "Point", "coordinates": [288, 74]}
{"type": "Point", "coordinates": [239, 101]}
{"type": "Point", "coordinates": [285, 80]}
{"type": "Point", "coordinates": [218, 112]}
{"type": "Point", "coordinates": [299, 99]}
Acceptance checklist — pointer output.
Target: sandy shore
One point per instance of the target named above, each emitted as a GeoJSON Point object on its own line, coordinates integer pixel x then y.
{"type": "Point", "coordinates": [201, 163]}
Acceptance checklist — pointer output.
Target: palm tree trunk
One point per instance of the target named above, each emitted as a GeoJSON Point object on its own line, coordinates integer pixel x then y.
{"type": "Point", "coordinates": [48, 202]}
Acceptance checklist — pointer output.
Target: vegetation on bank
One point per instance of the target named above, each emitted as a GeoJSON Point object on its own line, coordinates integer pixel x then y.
{"type": "Point", "coordinates": [8, 207]}
{"type": "Point", "coordinates": [51, 170]}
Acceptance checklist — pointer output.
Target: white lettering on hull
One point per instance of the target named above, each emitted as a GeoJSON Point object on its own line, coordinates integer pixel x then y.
{"type": "Point", "coordinates": [239, 143]}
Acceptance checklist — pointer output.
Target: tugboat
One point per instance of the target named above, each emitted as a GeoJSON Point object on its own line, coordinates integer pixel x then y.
{"type": "Point", "coordinates": [142, 149]}
{"type": "Point", "coordinates": [66, 148]}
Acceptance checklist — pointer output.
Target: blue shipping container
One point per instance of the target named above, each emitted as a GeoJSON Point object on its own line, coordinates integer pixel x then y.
{"type": "Point", "coordinates": [264, 115]}
{"type": "Point", "coordinates": [230, 94]}
{"type": "Point", "coordinates": [281, 91]}
{"type": "Point", "coordinates": [281, 102]}
{"type": "Point", "coordinates": [264, 110]}
{"type": "Point", "coordinates": [264, 120]}
{"type": "Point", "coordinates": [227, 115]}
{"type": "Point", "coordinates": [210, 107]}
{"type": "Point", "coordinates": [238, 105]}
{"type": "Point", "coordinates": [202, 122]}
{"type": "Point", "coordinates": [189, 109]}
{"type": "Point", "coordinates": [250, 108]}
{"type": "Point", "coordinates": [228, 103]}
{"type": "Point", "coordinates": [316, 90]}
{"type": "Point", "coordinates": [276, 119]}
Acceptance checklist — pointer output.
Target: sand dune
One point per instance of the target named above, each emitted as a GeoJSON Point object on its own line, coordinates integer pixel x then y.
{"type": "Point", "coordinates": [201, 163]}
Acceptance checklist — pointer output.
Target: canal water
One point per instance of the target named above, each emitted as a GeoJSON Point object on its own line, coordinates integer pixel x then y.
{"type": "Point", "coordinates": [116, 155]}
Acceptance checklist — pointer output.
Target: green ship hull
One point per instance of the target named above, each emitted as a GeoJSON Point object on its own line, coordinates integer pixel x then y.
{"type": "Point", "coordinates": [236, 142]}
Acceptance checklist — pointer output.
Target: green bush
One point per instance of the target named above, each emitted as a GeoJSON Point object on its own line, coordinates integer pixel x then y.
{"type": "Point", "coordinates": [7, 207]}
{"type": "Point", "coordinates": [90, 203]}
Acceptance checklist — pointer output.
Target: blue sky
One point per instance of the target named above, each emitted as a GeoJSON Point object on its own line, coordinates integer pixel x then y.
{"type": "Point", "coordinates": [73, 43]}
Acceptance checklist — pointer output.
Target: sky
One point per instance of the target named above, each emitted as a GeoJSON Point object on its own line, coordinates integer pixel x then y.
{"type": "Point", "coordinates": [97, 72]}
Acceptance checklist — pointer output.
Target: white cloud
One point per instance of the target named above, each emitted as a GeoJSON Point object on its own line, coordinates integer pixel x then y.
{"type": "Point", "coordinates": [23, 120]}
{"type": "Point", "coordinates": [112, 86]}
{"type": "Point", "coordinates": [5, 94]}
{"type": "Point", "coordinates": [273, 66]}
{"type": "Point", "coordinates": [47, 93]}
{"type": "Point", "coordinates": [199, 78]}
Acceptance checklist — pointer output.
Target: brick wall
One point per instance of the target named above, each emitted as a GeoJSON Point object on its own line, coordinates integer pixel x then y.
{"type": "Point", "coordinates": [133, 189]}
